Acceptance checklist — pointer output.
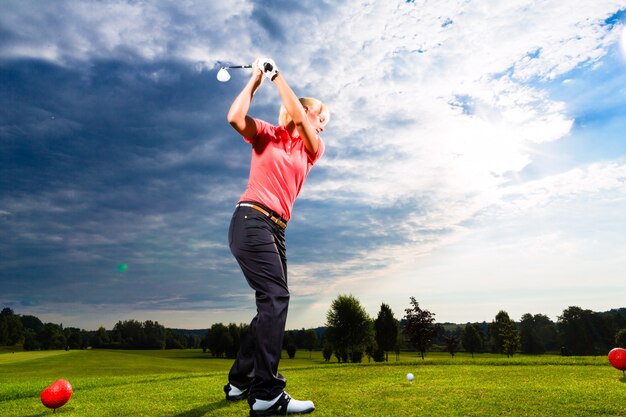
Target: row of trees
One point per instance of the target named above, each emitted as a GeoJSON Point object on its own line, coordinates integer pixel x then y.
{"type": "Point", "coordinates": [33, 334]}
{"type": "Point", "coordinates": [349, 334]}
{"type": "Point", "coordinates": [132, 334]}
{"type": "Point", "coordinates": [224, 341]}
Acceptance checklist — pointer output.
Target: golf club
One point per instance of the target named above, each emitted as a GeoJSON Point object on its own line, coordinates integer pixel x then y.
{"type": "Point", "coordinates": [223, 75]}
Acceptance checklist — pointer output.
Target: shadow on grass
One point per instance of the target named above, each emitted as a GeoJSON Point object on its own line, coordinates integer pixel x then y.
{"type": "Point", "coordinates": [200, 411]}
{"type": "Point", "coordinates": [58, 412]}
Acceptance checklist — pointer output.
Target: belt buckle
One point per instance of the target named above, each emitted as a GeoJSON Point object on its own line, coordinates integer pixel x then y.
{"type": "Point", "coordinates": [279, 222]}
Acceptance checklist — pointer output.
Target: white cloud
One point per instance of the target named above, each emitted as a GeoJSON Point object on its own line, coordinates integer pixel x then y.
{"type": "Point", "coordinates": [438, 107]}
{"type": "Point", "coordinates": [623, 42]}
{"type": "Point", "coordinates": [70, 31]}
{"type": "Point", "coordinates": [399, 132]}
{"type": "Point", "coordinates": [597, 181]}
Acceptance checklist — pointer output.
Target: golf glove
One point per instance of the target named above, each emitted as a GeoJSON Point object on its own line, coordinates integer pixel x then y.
{"type": "Point", "coordinates": [268, 68]}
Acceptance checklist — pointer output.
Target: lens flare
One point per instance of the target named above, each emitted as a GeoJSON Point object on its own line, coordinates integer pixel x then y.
{"type": "Point", "coordinates": [122, 267]}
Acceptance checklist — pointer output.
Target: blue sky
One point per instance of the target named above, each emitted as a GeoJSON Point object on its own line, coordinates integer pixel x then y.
{"type": "Point", "coordinates": [475, 157]}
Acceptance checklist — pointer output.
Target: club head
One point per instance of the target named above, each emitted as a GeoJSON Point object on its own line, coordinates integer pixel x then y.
{"type": "Point", "coordinates": [223, 75]}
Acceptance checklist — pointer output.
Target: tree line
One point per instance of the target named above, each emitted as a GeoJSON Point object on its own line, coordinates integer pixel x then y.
{"type": "Point", "coordinates": [353, 334]}
{"type": "Point", "coordinates": [349, 334]}
{"type": "Point", "coordinates": [30, 332]}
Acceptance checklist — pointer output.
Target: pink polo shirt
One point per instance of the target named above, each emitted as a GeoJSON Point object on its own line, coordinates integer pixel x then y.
{"type": "Point", "coordinates": [279, 166]}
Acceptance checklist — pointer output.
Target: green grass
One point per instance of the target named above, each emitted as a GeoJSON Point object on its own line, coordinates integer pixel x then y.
{"type": "Point", "coordinates": [189, 384]}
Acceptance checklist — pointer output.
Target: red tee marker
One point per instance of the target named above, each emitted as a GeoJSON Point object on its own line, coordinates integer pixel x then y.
{"type": "Point", "coordinates": [57, 394]}
{"type": "Point", "coordinates": [617, 357]}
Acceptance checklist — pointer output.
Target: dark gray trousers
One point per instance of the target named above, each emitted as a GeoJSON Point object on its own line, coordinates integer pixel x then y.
{"type": "Point", "coordinates": [259, 247]}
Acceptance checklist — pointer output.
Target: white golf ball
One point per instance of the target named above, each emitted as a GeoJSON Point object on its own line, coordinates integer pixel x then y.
{"type": "Point", "coordinates": [410, 377]}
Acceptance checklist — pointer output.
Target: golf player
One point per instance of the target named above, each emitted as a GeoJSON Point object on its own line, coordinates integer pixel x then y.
{"type": "Point", "coordinates": [282, 156]}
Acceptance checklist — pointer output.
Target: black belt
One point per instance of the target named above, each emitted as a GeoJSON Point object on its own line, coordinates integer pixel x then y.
{"type": "Point", "coordinates": [268, 213]}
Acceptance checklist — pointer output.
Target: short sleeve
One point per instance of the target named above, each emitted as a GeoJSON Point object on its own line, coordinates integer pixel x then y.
{"type": "Point", "coordinates": [262, 129]}
{"type": "Point", "coordinates": [320, 151]}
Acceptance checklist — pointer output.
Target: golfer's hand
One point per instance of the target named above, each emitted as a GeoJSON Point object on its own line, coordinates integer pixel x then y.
{"type": "Point", "coordinates": [268, 67]}
{"type": "Point", "coordinates": [257, 73]}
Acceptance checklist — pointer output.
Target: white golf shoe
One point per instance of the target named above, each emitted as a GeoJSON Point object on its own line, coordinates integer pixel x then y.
{"type": "Point", "coordinates": [235, 394]}
{"type": "Point", "coordinates": [281, 405]}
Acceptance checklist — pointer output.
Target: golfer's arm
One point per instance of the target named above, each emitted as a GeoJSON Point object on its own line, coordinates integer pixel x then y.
{"type": "Point", "coordinates": [298, 115]}
{"type": "Point", "coordinates": [238, 112]}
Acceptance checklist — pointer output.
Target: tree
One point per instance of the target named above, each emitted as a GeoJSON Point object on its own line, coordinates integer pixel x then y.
{"type": "Point", "coordinates": [620, 338]}
{"type": "Point", "coordinates": [472, 339]}
{"type": "Point", "coordinates": [193, 341]}
{"type": "Point", "coordinates": [100, 338]}
{"type": "Point", "coordinates": [4, 331]}
{"type": "Point", "coordinates": [504, 335]}
{"type": "Point", "coordinates": [11, 328]}
{"type": "Point", "coordinates": [31, 342]}
{"type": "Point", "coordinates": [510, 338]}
{"type": "Point", "coordinates": [327, 352]}
{"type": "Point", "coordinates": [237, 332]}
{"type": "Point", "coordinates": [452, 343]}
{"type": "Point", "coordinates": [154, 335]}
{"type": "Point", "coordinates": [219, 340]}
{"type": "Point", "coordinates": [52, 337]}
{"type": "Point", "coordinates": [386, 328]}
{"type": "Point", "coordinates": [349, 328]}
{"type": "Point", "coordinates": [546, 332]}
{"type": "Point", "coordinates": [31, 322]}
{"type": "Point", "coordinates": [16, 330]}
{"type": "Point", "coordinates": [291, 351]}
{"type": "Point", "coordinates": [398, 345]}
{"type": "Point", "coordinates": [537, 334]}
{"type": "Point", "coordinates": [580, 331]}
{"type": "Point", "coordinates": [6, 312]}
{"type": "Point", "coordinates": [289, 345]}
{"type": "Point", "coordinates": [530, 342]}
{"type": "Point", "coordinates": [495, 337]}
{"type": "Point", "coordinates": [129, 334]}
{"type": "Point", "coordinates": [310, 340]}
{"type": "Point", "coordinates": [175, 340]}
{"type": "Point", "coordinates": [73, 337]}
{"type": "Point", "coordinates": [419, 328]}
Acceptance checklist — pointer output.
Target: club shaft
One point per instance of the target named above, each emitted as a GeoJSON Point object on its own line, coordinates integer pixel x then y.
{"type": "Point", "coordinates": [240, 66]}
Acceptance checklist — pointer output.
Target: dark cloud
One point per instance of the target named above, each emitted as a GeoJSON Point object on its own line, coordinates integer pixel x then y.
{"type": "Point", "coordinates": [111, 163]}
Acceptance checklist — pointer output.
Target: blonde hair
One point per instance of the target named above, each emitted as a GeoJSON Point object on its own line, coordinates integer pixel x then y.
{"type": "Point", "coordinates": [312, 103]}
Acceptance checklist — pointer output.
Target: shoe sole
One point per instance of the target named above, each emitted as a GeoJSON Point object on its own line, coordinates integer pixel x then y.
{"type": "Point", "coordinates": [261, 413]}
{"type": "Point", "coordinates": [237, 397]}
